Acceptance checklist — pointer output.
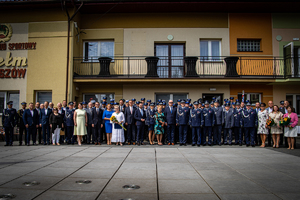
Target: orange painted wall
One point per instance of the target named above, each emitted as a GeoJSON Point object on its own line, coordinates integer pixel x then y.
{"type": "Point", "coordinates": [250, 26]}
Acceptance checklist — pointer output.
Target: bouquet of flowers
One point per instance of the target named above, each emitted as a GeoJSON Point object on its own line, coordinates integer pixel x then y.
{"type": "Point", "coordinates": [285, 121]}
{"type": "Point", "coordinates": [271, 123]}
{"type": "Point", "coordinates": [114, 120]}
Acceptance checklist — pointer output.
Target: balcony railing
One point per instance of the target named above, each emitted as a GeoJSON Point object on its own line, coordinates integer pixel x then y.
{"type": "Point", "coordinates": [175, 67]}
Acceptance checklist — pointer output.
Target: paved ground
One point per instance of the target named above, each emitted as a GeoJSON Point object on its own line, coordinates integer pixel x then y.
{"type": "Point", "coordinates": [161, 172]}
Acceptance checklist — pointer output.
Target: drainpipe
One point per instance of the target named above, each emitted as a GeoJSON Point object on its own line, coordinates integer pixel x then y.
{"type": "Point", "coordinates": [68, 44]}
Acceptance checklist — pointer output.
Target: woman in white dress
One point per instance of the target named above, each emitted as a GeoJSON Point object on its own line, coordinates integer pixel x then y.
{"type": "Point", "coordinates": [263, 116]}
{"type": "Point", "coordinates": [276, 130]}
{"type": "Point", "coordinates": [117, 130]}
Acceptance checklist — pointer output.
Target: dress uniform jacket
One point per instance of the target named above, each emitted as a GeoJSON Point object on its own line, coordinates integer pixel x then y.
{"type": "Point", "coordinates": [208, 117]}
{"type": "Point", "coordinates": [219, 118]}
{"type": "Point", "coordinates": [182, 115]}
{"type": "Point", "coordinates": [150, 117]}
{"type": "Point", "coordinates": [249, 118]}
{"type": "Point", "coordinates": [196, 118]}
{"type": "Point", "coordinates": [228, 119]}
{"type": "Point", "coordinates": [9, 117]}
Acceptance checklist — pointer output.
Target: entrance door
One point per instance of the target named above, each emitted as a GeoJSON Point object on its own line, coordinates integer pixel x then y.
{"type": "Point", "coordinates": [171, 63]}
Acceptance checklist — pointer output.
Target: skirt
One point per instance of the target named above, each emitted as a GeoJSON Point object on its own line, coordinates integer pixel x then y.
{"type": "Point", "coordinates": [151, 127]}
{"type": "Point", "coordinates": [108, 128]}
{"type": "Point", "coordinates": [290, 132]}
{"type": "Point", "coordinates": [276, 130]}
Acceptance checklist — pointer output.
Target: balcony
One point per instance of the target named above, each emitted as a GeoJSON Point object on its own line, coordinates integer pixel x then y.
{"type": "Point", "coordinates": [135, 67]}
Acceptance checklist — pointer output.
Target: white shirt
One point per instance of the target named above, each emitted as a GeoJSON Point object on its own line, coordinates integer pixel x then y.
{"type": "Point", "coordinates": [130, 109]}
{"type": "Point", "coordinates": [46, 111]}
{"type": "Point", "coordinates": [31, 111]}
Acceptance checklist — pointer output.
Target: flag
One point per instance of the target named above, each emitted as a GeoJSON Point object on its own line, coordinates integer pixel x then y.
{"type": "Point", "coordinates": [243, 96]}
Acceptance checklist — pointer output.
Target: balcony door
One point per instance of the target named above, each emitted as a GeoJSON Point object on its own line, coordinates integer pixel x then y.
{"type": "Point", "coordinates": [171, 60]}
{"type": "Point", "coordinates": [291, 56]}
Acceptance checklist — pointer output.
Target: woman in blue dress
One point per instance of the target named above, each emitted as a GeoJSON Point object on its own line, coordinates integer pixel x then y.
{"type": "Point", "coordinates": [108, 125]}
{"type": "Point", "coordinates": [159, 124]}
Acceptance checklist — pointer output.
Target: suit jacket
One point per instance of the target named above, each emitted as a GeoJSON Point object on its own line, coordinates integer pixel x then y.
{"type": "Point", "coordinates": [31, 120]}
{"type": "Point", "coordinates": [90, 115]}
{"type": "Point", "coordinates": [170, 117]}
{"type": "Point", "coordinates": [228, 119]}
{"type": "Point", "coordinates": [63, 114]}
{"type": "Point", "coordinates": [122, 108]}
{"type": "Point", "coordinates": [129, 118]}
{"type": "Point", "coordinates": [282, 110]}
{"type": "Point", "coordinates": [138, 116]}
{"type": "Point", "coordinates": [97, 117]}
{"type": "Point", "coordinates": [43, 118]}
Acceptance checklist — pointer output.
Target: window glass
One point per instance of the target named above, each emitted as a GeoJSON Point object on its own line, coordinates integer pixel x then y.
{"type": "Point", "coordinates": [14, 97]}
{"type": "Point", "coordinates": [44, 96]}
{"type": "Point", "coordinates": [2, 101]}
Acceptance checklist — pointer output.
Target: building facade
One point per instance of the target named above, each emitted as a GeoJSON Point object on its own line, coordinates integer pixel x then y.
{"type": "Point", "coordinates": [52, 50]}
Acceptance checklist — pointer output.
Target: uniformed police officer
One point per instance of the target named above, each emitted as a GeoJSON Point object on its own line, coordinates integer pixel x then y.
{"type": "Point", "coordinates": [196, 122]}
{"type": "Point", "coordinates": [228, 121]}
{"type": "Point", "coordinates": [182, 119]}
{"type": "Point", "coordinates": [151, 122]}
{"type": "Point", "coordinates": [249, 122]}
{"type": "Point", "coordinates": [70, 124]}
{"type": "Point", "coordinates": [21, 125]}
{"type": "Point", "coordinates": [9, 121]}
{"type": "Point", "coordinates": [219, 118]}
{"type": "Point", "coordinates": [237, 114]}
{"type": "Point", "coordinates": [208, 123]}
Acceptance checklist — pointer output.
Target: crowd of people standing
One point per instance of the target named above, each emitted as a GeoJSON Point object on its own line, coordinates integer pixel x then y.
{"type": "Point", "coordinates": [133, 122]}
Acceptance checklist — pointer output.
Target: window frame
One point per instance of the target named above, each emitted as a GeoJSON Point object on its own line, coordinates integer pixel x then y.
{"type": "Point", "coordinates": [248, 96]}
{"type": "Point", "coordinates": [91, 59]}
{"type": "Point", "coordinates": [209, 49]}
{"type": "Point", "coordinates": [100, 101]}
{"type": "Point", "coordinates": [171, 95]}
{"type": "Point", "coordinates": [36, 95]}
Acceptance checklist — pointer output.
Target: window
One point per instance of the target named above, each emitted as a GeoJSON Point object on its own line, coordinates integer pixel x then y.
{"type": "Point", "coordinates": [208, 97]}
{"type": "Point", "coordinates": [9, 96]}
{"type": "Point", "coordinates": [43, 96]}
{"type": "Point", "coordinates": [98, 97]}
{"type": "Point", "coordinates": [168, 96]}
{"type": "Point", "coordinates": [294, 100]}
{"type": "Point", "coordinates": [252, 97]}
{"type": "Point", "coordinates": [210, 50]}
{"type": "Point", "coordinates": [95, 49]}
{"type": "Point", "coordinates": [248, 45]}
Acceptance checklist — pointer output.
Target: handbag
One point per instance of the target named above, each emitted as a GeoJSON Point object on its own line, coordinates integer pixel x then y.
{"type": "Point", "coordinates": [62, 132]}
{"type": "Point", "coordinates": [117, 126]}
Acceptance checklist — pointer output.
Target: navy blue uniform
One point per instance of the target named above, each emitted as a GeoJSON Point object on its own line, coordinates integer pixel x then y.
{"type": "Point", "coordinates": [9, 121]}
{"type": "Point", "coordinates": [238, 137]}
{"type": "Point", "coordinates": [69, 126]}
{"type": "Point", "coordinates": [196, 121]}
{"type": "Point", "coordinates": [208, 123]}
{"type": "Point", "coordinates": [249, 121]}
{"type": "Point", "coordinates": [182, 118]}
{"type": "Point", "coordinates": [32, 120]}
{"type": "Point", "coordinates": [219, 118]}
{"type": "Point", "coordinates": [228, 121]}
{"type": "Point", "coordinates": [150, 119]}
{"type": "Point", "coordinates": [44, 121]}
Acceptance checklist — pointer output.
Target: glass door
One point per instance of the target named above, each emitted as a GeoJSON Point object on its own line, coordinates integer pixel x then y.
{"type": "Point", "coordinates": [171, 60]}
{"type": "Point", "coordinates": [288, 54]}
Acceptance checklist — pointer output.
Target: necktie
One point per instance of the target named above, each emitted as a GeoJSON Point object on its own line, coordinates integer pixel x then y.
{"type": "Point", "coordinates": [171, 109]}
{"type": "Point", "coordinates": [97, 111]}
{"type": "Point", "coordinates": [141, 112]}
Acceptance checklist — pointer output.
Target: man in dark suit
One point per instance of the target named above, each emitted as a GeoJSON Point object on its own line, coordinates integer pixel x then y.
{"type": "Point", "coordinates": [21, 125]}
{"type": "Point", "coordinates": [90, 116]}
{"type": "Point", "coordinates": [97, 124]}
{"type": "Point", "coordinates": [31, 121]}
{"type": "Point", "coordinates": [44, 123]}
{"type": "Point", "coordinates": [39, 128]}
{"type": "Point", "coordinates": [122, 105]}
{"type": "Point", "coordinates": [130, 122]}
{"type": "Point", "coordinates": [62, 112]}
{"type": "Point", "coordinates": [140, 117]}
{"type": "Point", "coordinates": [170, 116]}
{"type": "Point", "coordinates": [9, 121]}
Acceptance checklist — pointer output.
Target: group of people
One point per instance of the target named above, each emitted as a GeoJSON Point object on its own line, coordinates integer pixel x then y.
{"type": "Point", "coordinates": [197, 123]}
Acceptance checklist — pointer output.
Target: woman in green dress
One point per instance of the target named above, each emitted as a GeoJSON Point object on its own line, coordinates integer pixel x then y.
{"type": "Point", "coordinates": [80, 123]}
{"type": "Point", "coordinates": [159, 124]}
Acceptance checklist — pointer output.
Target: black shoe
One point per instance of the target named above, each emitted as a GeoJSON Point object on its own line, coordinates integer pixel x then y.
{"type": "Point", "coordinates": [138, 143]}
{"type": "Point", "coordinates": [204, 144]}
{"type": "Point", "coordinates": [230, 144]}
{"type": "Point", "coordinates": [198, 145]}
{"type": "Point", "coordinates": [180, 144]}
{"type": "Point", "coordinates": [45, 143]}
{"type": "Point", "coordinates": [253, 145]}
{"type": "Point", "coordinates": [184, 144]}
{"type": "Point", "coordinates": [209, 144]}
{"type": "Point", "coordinates": [6, 145]}
{"type": "Point", "coordinates": [193, 145]}
{"type": "Point", "coordinates": [11, 145]}
{"type": "Point", "coordinates": [20, 144]}
{"type": "Point", "coordinates": [240, 144]}
{"type": "Point", "coordinates": [247, 145]}
{"type": "Point", "coordinates": [220, 144]}
{"type": "Point", "coordinates": [28, 144]}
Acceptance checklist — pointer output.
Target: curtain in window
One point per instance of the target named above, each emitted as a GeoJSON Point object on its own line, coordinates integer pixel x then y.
{"type": "Point", "coordinates": [162, 53]}
{"type": "Point", "coordinates": [215, 50]}
{"type": "Point", "coordinates": [44, 96]}
{"type": "Point", "coordinates": [93, 50]}
{"type": "Point", "coordinates": [177, 55]}
{"type": "Point", "coordinates": [106, 49]}
{"type": "Point", "coordinates": [204, 50]}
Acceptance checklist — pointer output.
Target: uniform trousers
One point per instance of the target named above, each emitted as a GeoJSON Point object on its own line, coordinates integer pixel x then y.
{"type": "Point", "coordinates": [9, 134]}
{"type": "Point", "coordinates": [56, 136]}
{"type": "Point", "coordinates": [227, 139]}
{"type": "Point", "coordinates": [69, 134]}
{"type": "Point", "coordinates": [249, 135]}
{"type": "Point", "coordinates": [131, 133]}
{"type": "Point", "coordinates": [140, 133]}
{"type": "Point", "coordinates": [196, 131]}
{"type": "Point", "coordinates": [31, 131]}
{"type": "Point", "coordinates": [183, 133]}
{"type": "Point", "coordinates": [46, 133]}
{"type": "Point", "coordinates": [22, 130]}
{"type": "Point", "coordinates": [217, 129]}
{"type": "Point", "coordinates": [171, 132]}
{"type": "Point", "coordinates": [89, 133]}
{"type": "Point", "coordinates": [238, 135]}
{"type": "Point", "coordinates": [39, 134]}
{"type": "Point", "coordinates": [207, 132]}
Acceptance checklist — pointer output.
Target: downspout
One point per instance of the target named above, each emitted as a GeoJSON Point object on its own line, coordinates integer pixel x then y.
{"type": "Point", "coordinates": [68, 46]}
